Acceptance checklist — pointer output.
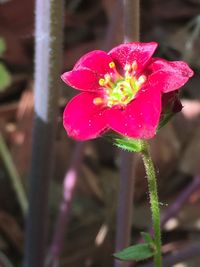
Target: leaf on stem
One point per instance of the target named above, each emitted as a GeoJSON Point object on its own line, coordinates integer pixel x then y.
{"type": "Point", "coordinates": [135, 253]}
{"type": "Point", "coordinates": [147, 238]}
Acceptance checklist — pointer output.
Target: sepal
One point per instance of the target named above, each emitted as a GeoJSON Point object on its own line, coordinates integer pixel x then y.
{"type": "Point", "coordinates": [171, 105]}
{"type": "Point", "coordinates": [128, 144]}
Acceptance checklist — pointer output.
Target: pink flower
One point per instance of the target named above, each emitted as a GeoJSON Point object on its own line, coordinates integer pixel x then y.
{"type": "Point", "coordinates": [122, 91]}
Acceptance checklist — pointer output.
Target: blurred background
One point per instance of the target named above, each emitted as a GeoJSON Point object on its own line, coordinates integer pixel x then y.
{"type": "Point", "coordinates": [88, 25]}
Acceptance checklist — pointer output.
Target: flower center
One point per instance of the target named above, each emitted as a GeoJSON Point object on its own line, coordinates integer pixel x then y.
{"type": "Point", "coordinates": [119, 90]}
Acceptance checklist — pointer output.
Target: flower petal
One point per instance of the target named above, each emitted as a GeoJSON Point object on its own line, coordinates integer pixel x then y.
{"type": "Point", "coordinates": [140, 118]}
{"type": "Point", "coordinates": [82, 119]}
{"type": "Point", "coordinates": [98, 61]}
{"type": "Point", "coordinates": [127, 53]}
{"type": "Point", "coordinates": [168, 76]}
{"type": "Point", "coordinates": [82, 79]}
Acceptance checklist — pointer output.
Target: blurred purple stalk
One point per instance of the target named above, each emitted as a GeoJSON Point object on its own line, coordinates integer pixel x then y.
{"type": "Point", "coordinates": [125, 204]}
{"type": "Point", "coordinates": [69, 186]}
{"type": "Point", "coordinates": [179, 256]}
{"type": "Point", "coordinates": [181, 200]}
{"type": "Point", "coordinates": [48, 62]}
{"type": "Point", "coordinates": [70, 180]}
{"type": "Point", "coordinates": [131, 24]}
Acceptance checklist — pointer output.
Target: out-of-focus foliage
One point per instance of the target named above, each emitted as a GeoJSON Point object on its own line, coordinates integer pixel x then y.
{"type": "Point", "coordinates": [2, 46]}
{"type": "Point", "coordinates": [5, 78]}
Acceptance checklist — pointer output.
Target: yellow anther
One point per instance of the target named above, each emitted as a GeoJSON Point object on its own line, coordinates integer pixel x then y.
{"type": "Point", "coordinates": [142, 79]}
{"type": "Point", "coordinates": [98, 101]}
{"type": "Point", "coordinates": [112, 65]}
{"type": "Point", "coordinates": [134, 65]}
{"type": "Point", "coordinates": [102, 82]}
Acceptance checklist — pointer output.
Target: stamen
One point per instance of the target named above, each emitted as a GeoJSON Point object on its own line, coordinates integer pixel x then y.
{"type": "Point", "coordinates": [127, 68]}
{"type": "Point", "coordinates": [115, 73]}
{"type": "Point", "coordinates": [142, 79]}
{"type": "Point", "coordinates": [128, 78]}
{"type": "Point", "coordinates": [110, 103]}
{"type": "Point", "coordinates": [107, 78]}
{"type": "Point", "coordinates": [120, 90]}
{"type": "Point", "coordinates": [108, 81]}
{"type": "Point", "coordinates": [101, 82]}
{"type": "Point", "coordinates": [98, 101]}
{"type": "Point", "coordinates": [112, 65]}
{"type": "Point", "coordinates": [134, 65]}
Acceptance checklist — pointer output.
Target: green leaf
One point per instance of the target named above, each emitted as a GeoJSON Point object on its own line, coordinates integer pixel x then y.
{"type": "Point", "coordinates": [128, 144]}
{"type": "Point", "coordinates": [5, 78]}
{"type": "Point", "coordinates": [147, 238]}
{"type": "Point", "coordinates": [135, 253]}
{"type": "Point", "coordinates": [2, 46]}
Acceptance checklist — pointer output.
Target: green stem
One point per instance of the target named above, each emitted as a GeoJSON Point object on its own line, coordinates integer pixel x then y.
{"type": "Point", "coordinates": [14, 175]}
{"type": "Point", "coordinates": [152, 184]}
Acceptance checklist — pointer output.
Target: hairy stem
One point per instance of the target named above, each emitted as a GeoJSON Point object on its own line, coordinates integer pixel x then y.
{"type": "Point", "coordinates": [155, 210]}
{"type": "Point", "coordinates": [14, 175]}
{"type": "Point", "coordinates": [187, 253]}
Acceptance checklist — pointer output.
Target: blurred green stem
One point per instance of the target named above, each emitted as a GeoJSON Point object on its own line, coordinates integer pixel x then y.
{"type": "Point", "coordinates": [14, 175]}
{"type": "Point", "coordinates": [4, 261]}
